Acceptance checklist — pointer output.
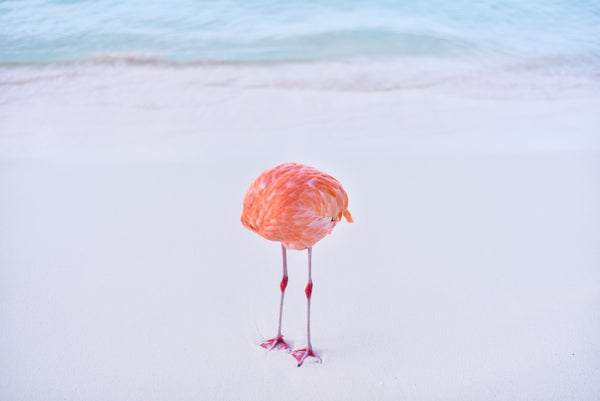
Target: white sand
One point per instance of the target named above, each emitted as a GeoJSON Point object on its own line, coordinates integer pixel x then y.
{"type": "Point", "coordinates": [471, 273]}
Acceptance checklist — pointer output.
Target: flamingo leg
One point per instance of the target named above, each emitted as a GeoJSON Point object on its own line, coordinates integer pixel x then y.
{"type": "Point", "coordinates": [303, 353]}
{"type": "Point", "coordinates": [278, 342]}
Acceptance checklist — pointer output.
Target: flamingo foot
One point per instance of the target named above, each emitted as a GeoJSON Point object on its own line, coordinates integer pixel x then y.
{"type": "Point", "coordinates": [303, 353]}
{"type": "Point", "coordinates": [275, 343]}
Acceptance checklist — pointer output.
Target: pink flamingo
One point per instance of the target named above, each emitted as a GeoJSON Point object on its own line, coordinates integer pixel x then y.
{"type": "Point", "coordinates": [296, 205]}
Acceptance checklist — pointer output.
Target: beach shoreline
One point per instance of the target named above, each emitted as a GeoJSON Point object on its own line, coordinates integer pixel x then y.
{"type": "Point", "coordinates": [110, 113]}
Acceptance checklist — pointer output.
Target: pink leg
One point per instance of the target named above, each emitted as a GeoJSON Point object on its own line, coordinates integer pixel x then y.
{"type": "Point", "coordinates": [278, 342]}
{"type": "Point", "coordinates": [303, 353]}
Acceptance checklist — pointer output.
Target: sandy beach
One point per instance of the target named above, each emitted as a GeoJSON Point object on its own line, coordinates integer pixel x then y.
{"type": "Point", "coordinates": [470, 273]}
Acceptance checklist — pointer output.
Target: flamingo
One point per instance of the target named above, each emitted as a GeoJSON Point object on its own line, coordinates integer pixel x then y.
{"type": "Point", "coordinates": [296, 205]}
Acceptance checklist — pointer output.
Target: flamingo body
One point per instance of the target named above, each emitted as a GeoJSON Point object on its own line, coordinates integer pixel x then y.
{"type": "Point", "coordinates": [294, 204]}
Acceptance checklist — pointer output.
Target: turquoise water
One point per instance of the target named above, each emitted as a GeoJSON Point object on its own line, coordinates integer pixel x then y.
{"type": "Point", "coordinates": [268, 30]}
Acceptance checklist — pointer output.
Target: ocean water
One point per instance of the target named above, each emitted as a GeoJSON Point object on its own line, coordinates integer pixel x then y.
{"type": "Point", "coordinates": [404, 44]}
{"type": "Point", "coordinates": [260, 30]}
